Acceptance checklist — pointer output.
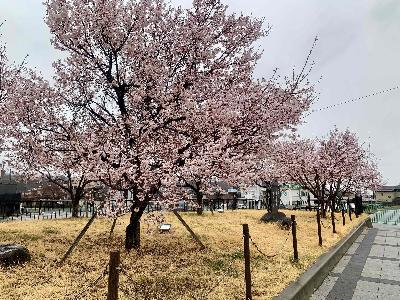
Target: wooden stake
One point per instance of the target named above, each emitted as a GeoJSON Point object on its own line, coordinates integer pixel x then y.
{"type": "Point", "coordinates": [113, 275]}
{"type": "Point", "coordinates": [78, 238]}
{"type": "Point", "coordinates": [247, 271]}
{"type": "Point", "coordinates": [294, 234]}
{"type": "Point", "coordinates": [194, 236]}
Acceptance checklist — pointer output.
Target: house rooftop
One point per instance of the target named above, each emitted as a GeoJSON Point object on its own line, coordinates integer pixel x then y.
{"type": "Point", "coordinates": [388, 188]}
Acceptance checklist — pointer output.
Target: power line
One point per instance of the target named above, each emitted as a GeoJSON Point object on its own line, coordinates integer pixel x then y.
{"type": "Point", "coordinates": [353, 100]}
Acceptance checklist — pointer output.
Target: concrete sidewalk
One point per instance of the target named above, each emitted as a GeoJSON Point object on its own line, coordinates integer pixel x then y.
{"type": "Point", "coordinates": [369, 270]}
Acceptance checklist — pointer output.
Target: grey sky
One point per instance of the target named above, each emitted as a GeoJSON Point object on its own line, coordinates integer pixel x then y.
{"type": "Point", "coordinates": [357, 53]}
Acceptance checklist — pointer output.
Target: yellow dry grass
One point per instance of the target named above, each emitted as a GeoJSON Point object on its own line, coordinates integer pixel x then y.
{"type": "Point", "coordinates": [168, 266]}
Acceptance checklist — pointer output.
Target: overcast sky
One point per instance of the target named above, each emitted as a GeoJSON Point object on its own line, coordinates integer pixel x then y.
{"type": "Point", "coordinates": [357, 54]}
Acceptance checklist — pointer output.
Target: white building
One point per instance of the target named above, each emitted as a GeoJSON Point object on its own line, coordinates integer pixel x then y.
{"type": "Point", "coordinates": [291, 195]}
{"type": "Point", "coordinates": [252, 197]}
{"type": "Point", "coordinates": [294, 195]}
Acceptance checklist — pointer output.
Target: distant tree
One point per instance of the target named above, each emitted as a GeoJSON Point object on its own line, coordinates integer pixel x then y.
{"type": "Point", "coordinates": [227, 141]}
{"type": "Point", "coordinates": [264, 172]}
{"type": "Point", "coordinates": [328, 167]}
{"type": "Point", "coordinates": [36, 130]}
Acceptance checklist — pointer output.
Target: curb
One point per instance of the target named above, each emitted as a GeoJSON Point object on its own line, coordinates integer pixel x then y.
{"type": "Point", "coordinates": [310, 280]}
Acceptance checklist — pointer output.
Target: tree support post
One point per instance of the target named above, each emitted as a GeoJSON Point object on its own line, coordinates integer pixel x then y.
{"type": "Point", "coordinates": [78, 238]}
{"type": "Point", "coordinates": [113, 227]}
{"type": "Point", "coordinates": [194, 236]}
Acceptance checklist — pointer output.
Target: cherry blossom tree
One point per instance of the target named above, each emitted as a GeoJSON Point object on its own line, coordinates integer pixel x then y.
{"type": "Point", "coordinates": [38, 131]}
{"type": "Point", "coordinates": [5, 70]}
{"type": "Point", "coordinates": [145, 87]}
{"type": "Point", "coordinates": [265, 173]}
{"type": "Point", "coordinates": [142, 76]}
{"type": "Point", "coordinates": [328, 167]}
{"type": "Point", "coordinates": [225, 145]}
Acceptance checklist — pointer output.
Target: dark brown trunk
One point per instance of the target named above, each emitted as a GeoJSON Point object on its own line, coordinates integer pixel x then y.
{"type": "Point", "coordinates": [132, 239]}
{"type": "Point", "coordinates": [269, 201]}
{"type": "Point", "coordinates": [333, 204]}
{"type": "Point", "coordinates": [199, 199]}
{"type": "Point", "coordinates": [323, 208]}
{"type": "Point", "coordinates": [323, 202]}
{"type": "Point", "coordinates": [333, 221]}
{"type": "Point", "coordinates": [309, 202]}
{"type": "Point", "coordinates": [349, 209]}
{"type": "Point", "coordinates": [75, 206]}
{"type": "Point", "coordinates": [132, 231]}
{"type": "Point", "coordinates": [319, 227]}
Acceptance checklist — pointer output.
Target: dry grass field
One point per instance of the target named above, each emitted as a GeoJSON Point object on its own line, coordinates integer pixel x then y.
{"type": "Point", "coordinates": [168, 266]}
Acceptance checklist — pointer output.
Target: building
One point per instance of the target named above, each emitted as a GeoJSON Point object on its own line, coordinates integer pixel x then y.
{"type": "Point", "coordinates": [293, 195]}
{"type": "Point", "coordinates": [388, 194]}
{"type": "Point", "coordinates": [252, 197]}
{"type": "Point", "coordinates": [10, 196]}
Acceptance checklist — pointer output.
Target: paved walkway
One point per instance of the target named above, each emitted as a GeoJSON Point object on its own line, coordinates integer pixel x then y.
{"type": "Point", "coordinates": [369, 270]}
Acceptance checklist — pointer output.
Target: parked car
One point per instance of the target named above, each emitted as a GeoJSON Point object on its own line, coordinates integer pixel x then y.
{"type": "Point", "coordinates": [241, 206]}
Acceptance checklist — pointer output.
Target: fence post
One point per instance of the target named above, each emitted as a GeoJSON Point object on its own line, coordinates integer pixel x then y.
{"type": "Point", "coordinates": [113, 276]}
{"type": "Point", "coordinates": [247, 272]}
{"type": "Point", "coordinates": [319, 227]}
{"type": "Point", "coordinates": [294, 234]}
{"type": "Point", "coordinates": [343, 217]}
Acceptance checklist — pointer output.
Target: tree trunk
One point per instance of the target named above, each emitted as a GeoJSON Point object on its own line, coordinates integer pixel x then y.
{"type": "Point", "coordinates": [323, 202]}
{"type": "Point", "coordinates": [323, 208]}
{"type": "Point", "coordinates": [269, 201]}
{"type": "Point", "coordinates": [132, 239]}
{"type": "Point", "coordinates": [75, 206]}
{"type": "Point", "coordinates": [333, 204]}
{"type": "Point", "coordinates": [199, 199]}
{"type": "Point", "coordinates": [333, 220]}
{"type": "Point", "coordinates": [132, 231]}
{"type": "Point", "coordinates": [319, 227]}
